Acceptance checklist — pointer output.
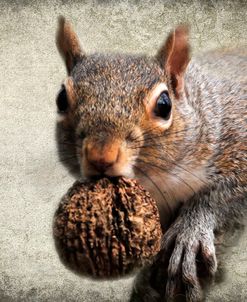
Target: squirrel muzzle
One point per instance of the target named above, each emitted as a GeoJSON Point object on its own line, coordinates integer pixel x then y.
{"type": "Point", "coordinates": [101, 157]}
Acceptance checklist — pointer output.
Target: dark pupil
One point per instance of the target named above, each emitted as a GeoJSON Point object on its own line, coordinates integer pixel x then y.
{"type": "Point", "coordinates": [163, 106]}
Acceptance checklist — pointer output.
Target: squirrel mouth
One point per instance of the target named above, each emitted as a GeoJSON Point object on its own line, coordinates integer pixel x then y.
{"type": "Point", "coordinates": [107, 174]}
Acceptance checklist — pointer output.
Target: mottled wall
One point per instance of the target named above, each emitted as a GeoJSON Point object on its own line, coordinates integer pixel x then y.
{"type": "Point", "coordinates": [32, 179]}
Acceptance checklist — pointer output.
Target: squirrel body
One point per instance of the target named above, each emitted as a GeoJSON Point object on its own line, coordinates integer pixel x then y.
{"type": "Point", "coordinates": [175, 125]}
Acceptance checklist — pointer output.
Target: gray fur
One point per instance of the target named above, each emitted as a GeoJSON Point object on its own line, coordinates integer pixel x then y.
{"type": "Point", "coordinates": [208, 133]}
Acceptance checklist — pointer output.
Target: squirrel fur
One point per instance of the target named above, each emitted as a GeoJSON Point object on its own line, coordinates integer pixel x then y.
{"type": "Point", "coordinates": [194, 162]}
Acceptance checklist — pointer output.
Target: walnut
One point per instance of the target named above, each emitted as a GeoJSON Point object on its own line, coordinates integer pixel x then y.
{"type": "Point", "coordinates": [106, 228]}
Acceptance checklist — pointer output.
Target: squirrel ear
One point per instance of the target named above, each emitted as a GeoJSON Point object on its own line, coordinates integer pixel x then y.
{"type": "Point", "coordinates": [174, 57]}
{"type": "Point", "coordinates": [68, 44]}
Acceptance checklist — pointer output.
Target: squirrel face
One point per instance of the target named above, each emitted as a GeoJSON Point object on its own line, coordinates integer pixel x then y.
{"type": "Point", "coordinates": [112, 99]}
{"type": "Point", "coordinates": [117, 104]}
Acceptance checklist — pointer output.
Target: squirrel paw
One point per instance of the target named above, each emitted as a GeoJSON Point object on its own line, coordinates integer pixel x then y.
{"type": "Point", "coordinates": [193, 255]}
{"type": "Point", "coordinates": [187, 256]}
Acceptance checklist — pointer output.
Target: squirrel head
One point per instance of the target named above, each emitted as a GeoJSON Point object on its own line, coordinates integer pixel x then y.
{"type": "Point", "coordinates": [117, 104]}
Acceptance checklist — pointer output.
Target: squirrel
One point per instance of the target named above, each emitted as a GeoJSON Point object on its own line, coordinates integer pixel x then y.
{"type": "Point", "coordinates": [162, 120]}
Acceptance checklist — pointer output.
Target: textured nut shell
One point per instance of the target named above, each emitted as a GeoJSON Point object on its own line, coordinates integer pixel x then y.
{"type": "Point", "coordinates": [105, 228]}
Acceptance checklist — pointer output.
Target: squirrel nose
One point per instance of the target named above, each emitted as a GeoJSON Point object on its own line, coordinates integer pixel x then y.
{"type": "Point", "coordinates": [102, 157]}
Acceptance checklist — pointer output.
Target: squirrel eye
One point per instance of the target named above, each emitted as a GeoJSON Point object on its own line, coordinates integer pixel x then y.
{"type": "Point", "coordinates": [82, 135]}
{"type": "Point", "coordinates": [62, 102]}
{"type": "Point", "coordinates": [163, 106]}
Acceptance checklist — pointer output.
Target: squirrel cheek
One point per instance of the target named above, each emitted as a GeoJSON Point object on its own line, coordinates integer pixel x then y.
{"type": "Point", "coordinates": [84, 165]}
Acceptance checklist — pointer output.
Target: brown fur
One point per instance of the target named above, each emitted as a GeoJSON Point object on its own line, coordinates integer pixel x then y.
{"type": "Point", "coordinates": [68, 44]}
{"type": "Point", "coordinates": [194, 163]}
{"type": "Point", "coordinates": [174, 57]}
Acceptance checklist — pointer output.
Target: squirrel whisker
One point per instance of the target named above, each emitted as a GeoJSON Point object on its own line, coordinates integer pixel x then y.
{"type": "Point", "coordinates": [177, 165]}
{"type": "Point", "coordinates": [68, 143]}
{"type": "Point", "coordinates": [68, 158]}
{"type": "Point", "coordinates": [168, 191]}
{"type": "Point", "coordinates": [162, 135]}
{"type": "Point", "coordinates": [169, 172]}
{"type": "Point", "coordinates": [151, 180]}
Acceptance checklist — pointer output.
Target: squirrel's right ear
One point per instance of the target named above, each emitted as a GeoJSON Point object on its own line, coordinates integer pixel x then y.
{"type": "Point", "coordinates": [174, 56]}
{"type": "Point", "coordinates": [68, 44]}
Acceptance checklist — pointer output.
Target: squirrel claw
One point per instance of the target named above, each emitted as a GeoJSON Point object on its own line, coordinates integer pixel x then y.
{"type": "Point", "coordinates": [192, 249]}
{"type": "Point", "coordinates": [187, 255]}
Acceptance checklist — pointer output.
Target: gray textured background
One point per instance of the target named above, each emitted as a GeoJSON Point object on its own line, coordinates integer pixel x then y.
{"type": "Point", "coordinates": [32, 178]}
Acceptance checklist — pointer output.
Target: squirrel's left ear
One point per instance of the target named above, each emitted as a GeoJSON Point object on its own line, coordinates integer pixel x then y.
{"type": "Point", "coordinates": [68, 44]}
{"type": "Point", "coordinates": [174, 57]}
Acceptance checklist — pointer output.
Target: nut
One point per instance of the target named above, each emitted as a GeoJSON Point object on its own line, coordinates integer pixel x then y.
{"type": "Point", "coordinates": [107, 227]}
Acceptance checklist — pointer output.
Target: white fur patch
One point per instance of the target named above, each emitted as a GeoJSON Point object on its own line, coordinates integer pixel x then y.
{"type": "Point", "coordinates": [171, 189]}
{"type": "Point", "coordinates": [150, 103]}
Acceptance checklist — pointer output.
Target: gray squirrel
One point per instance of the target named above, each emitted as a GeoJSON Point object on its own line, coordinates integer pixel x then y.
{"type": "Point", "coordinates": [181, 133]}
